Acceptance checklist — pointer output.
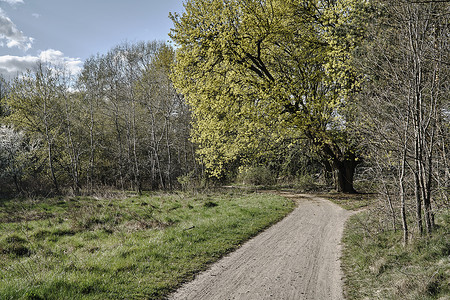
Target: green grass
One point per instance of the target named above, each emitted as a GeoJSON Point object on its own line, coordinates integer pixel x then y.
{"type": "Point", "coordinates": [377, 266]}
{"type": "Point", "coordinates": [129, 248]}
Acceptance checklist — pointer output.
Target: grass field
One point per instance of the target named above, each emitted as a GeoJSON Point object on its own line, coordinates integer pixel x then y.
{"type": "Point", "coordinates": [122, 247]}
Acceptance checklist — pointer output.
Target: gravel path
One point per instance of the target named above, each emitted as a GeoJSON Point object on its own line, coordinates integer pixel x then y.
{"type": "Point", "coordinates": [297, 258]}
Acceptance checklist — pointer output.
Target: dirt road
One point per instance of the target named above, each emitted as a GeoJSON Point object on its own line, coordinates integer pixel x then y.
{"type": "Point", "coordinates": [298, 258]}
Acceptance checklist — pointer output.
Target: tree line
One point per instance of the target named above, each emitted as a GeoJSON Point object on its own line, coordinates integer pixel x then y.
{"type": "Point", "coordinates": [118, 123]}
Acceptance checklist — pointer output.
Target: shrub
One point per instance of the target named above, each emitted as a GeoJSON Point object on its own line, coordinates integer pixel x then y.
{"type": "Point", "coordinates": [259, 175]}
{"type": "Point", "coordinates": [305, 183]}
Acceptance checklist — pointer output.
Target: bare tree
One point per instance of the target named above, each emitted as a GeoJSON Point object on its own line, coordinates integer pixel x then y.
{"type": "Point", "coordinates": [403, 102]}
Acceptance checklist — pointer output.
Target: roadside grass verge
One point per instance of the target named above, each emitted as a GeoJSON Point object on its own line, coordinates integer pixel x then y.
{"type": "Point", "coordinates": [127, 248]}
{"type": "Point", "coordinates": [377, 266]}
{"type": "Point", "coordinates": [352, 201]}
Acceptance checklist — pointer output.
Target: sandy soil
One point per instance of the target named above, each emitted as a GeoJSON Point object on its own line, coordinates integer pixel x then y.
{"type": "Point", "coordinates": [298, 258]}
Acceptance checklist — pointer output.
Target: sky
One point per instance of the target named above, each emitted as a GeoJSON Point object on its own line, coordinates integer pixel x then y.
{"type": "Point", "coordinates": [70, 31]}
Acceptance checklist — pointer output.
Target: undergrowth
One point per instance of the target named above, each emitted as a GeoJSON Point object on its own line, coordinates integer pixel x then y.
{"type": "Point", "coordinates": [378, 266]}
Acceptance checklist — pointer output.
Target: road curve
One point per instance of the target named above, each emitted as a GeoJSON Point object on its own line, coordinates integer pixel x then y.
{"type": "Point", "coordinates": [297, 258]}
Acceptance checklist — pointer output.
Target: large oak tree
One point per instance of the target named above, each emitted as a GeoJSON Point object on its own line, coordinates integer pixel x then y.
{"type": "Point", "coordinates": [257, 71]}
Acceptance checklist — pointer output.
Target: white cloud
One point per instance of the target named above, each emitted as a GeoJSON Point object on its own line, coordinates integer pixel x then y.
{"type": "Point", "coordinates": [74, 65]}
{"type": "Point", "coordinates": [13, 36]}
{"type": "Point", "coordinates": [11, 66]}
{"type": "Point", "coordinates": [12, 2]}
{"type": "Point", "coordinates": [36, 15]}
{"type": "Point", "coordinates": [51, 55]}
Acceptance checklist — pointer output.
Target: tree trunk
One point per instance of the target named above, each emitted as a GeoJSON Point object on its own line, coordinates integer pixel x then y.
{"type": "Point", "coordinates": [90, 175]}
{"type": "Point", "coordinates": [401, 178]}
{"type": "Point", "coordinates": [16, 183]}
{"type": "Point", "coordinates": [345, 171]}
{"type": "Point", "coordinates": [52, 170]}
{"type": "Point", "coordinates": [417, 192]}
{"type": "Point", "coordinates": [403, 203]}
{"type": "Point", "coordinates": [390, 205]}
{"type": "Point", "coordinates": [343, 163]}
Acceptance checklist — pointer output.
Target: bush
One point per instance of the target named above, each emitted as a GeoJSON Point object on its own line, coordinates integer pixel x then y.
{"type": "Point", "coordinates": [305, 183]}
{"type": "Point", "coordinates": [258, 175]}
{"type": "Point", "coordinates": [191, 182]}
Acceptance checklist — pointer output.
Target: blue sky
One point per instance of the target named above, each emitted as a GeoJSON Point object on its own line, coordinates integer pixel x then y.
{"type": "Point", "coordinates": [72, 30]}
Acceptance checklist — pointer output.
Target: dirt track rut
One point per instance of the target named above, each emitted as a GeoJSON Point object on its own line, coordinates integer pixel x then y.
{"type": "Point", "coordinates": [297, 258]}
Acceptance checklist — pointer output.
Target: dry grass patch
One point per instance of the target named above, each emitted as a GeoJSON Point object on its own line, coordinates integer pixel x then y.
{"type": "Point", "coordinates": [377, 266]}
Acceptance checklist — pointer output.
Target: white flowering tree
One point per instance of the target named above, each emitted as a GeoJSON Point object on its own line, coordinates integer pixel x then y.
{"type": "Point", "coordinates": [11, 147]}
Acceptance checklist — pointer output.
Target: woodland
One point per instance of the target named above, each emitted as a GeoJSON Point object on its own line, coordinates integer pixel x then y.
{"type": "Point", "coordinates": [350, 95]}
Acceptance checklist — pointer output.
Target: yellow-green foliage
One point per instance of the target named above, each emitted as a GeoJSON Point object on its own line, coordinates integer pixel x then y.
{"type": "Point", "coordinates": [256, 71]}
